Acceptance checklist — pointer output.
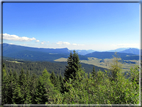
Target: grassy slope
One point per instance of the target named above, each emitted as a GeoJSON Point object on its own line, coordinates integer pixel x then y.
{"type": "Point", "coordinates": [105, 63]}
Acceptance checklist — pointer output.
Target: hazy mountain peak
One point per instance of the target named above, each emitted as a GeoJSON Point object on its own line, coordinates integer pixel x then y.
{"type": "Point", "coordinates": [131, 50]}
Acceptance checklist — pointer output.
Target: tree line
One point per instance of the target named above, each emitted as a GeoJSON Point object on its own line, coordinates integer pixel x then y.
{"type": "Point", "coordinates": [37, 67]}
{"type": "Point", "coordinates": [75, 87]}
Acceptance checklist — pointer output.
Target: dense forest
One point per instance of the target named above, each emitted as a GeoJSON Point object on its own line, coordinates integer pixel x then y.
{"type": "Point", "coordinates": [37, 67]}
{"type": "Point", "coordinates": [74, 87]}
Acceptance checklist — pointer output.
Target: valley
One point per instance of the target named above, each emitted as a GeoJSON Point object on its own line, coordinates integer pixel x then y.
{"type": "Point", "coordinates": [105, 63]}
{"type": "Point", "coordinates": [129, 57]}
{"type": "Point", "coordinates": [63, 73]}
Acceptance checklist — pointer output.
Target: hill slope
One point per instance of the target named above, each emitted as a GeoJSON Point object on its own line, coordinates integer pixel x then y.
{"type": "Point", "coordinates": [8, 48]}
{"type": "Point", "coordinates": [47, 54]}
{"type": "Point", "coordinates": [35, 54]}
{"type": "Point", "coordinates": [38, 67]}
{"type": "Point", "coordinates": [131, 50]}
{"type": "Point", "coordinates": [38, 56]}
{"type": "Point", "coordinates": [103, 55]}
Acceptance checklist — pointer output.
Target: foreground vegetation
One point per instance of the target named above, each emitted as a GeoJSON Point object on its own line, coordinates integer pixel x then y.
{"type": "Point", "coordinates": [76, 87]}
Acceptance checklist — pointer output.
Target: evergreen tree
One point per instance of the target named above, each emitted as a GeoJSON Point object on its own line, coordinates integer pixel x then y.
{"type": "Point", "coordinates": [33, 85]}
{"type": "Point", "coordinates": [17, 95]}
{"type": "Point", "coordinates": [40, 92]}
{"type": "Point", "coordinates": [22, 83]}
{"type": "Point", "coordinates": [15, 76]}
{"type": "Point", "coordinates": [115, 67]}
{"type": "Point", "coordinates": [22, 77]}
{"type": "Point", "coordinates": [4, 85]}
{"type": "Point", "coordinates": [58, 86]}
{"type": "Point", "coordinates": [73, 66]}
{"type": "Point", "coordinates": [27, 89]}
{"type": "Point", "coordinates": [10, 87]}
{"type": "Point", "coordinates": [16, 98]}
{"type": "Point", "coordinates": [61, 84]}
{"type": "Point", "coordinates": [94, 72]}
{"type": "Point", "coordinates": [53, 78]}
{"type": "Point", "coordinates": [45, 89]}
{"type": "Point", "coordinates": [134, 74]}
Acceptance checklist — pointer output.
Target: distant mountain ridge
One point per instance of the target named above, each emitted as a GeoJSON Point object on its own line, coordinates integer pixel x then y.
{"type": "Point", "coordinates": [17, 48]}
{"type": "Point", "coordinates": [131, 50]}
{"type": "Point", "coordinates": [117, 50]}
{"type": "Point", "coordinates": [35, 54]}
{"type": "Point", "coordinates": [49, 54]}
{"type": "Point", "coordinates": [83, 52]}
{"type": "Point", "coordinates": [126, 50]}
{"type": "Point", "coordinates": [103, 55]}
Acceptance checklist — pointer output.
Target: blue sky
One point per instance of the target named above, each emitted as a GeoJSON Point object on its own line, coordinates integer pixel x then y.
{"type": "Point", "coordinates": [96, 26]}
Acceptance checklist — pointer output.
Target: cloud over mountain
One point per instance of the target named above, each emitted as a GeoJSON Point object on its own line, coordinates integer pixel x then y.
{"type": "Point", "coordinates": [63, 43]}
{"type": "Point", "coordinates": [17, 38]}
{"type": "Point", "coordinates": [74, 44]}
{"type": "Point", "coordinates": [42, 42]}
{"type": "Point", "coordinates": [37, 40]}
{"type": "Point", "coordinates": [127, 45]}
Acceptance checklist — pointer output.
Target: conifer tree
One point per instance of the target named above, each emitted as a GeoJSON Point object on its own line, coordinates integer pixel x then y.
{"type": "Point", "coordinates": [17, 95]}
{"type": "Point", "coordinates": [22, 77]}
{"type": "Point", "coordinates": [22, 83]}
{"type": "Point", "coordinates": [10, 87]}
{"type": "Point", "coordinates": [33, 85]}
{"type": "Point", "coordinates": [73, 66]}
{"type": "Point", "coordinates": [115, 67]}
{"type": "Point", "coordinates": [27, 89]}
{"type": "Point", "coordinates": [45, 89]}
{"type": "Point", "coordinates": [61, 84]}
{"type": "Point", "coordinates": [16, 98]}
{"type": "Point", "coordinates": [15, 76]}
{"type": "Point", "coordinates": [57, 83]}
{"type": "Point", "coordinates": [4, 85]}
{"type": "Point", "coordinates": [93, 72]}
{"type": "Point", "coordinates": [40, 93]}
{"type": "Point", "coordinates": [53, 78]}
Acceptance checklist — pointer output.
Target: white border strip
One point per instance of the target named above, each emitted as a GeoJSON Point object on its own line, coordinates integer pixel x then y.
{"type": "Point", "coordinates": [91, 1]}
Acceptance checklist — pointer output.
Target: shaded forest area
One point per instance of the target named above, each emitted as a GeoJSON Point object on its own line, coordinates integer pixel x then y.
{"type": "Point", "coordinates": [75, 87]}
{"type": "Point", "coordinates": [37, 67]}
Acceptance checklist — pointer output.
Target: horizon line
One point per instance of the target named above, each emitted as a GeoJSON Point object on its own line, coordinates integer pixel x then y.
{"type": "Point", "coordinates": [76, 49]}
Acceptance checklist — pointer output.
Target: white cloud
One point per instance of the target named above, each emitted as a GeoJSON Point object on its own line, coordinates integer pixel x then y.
{"type": "Point", "coordinates": [16, 38]}
{"type": "Point", "coordinates": [42, 42]}
{"type": "Point", "coordinates": [127, 45]}
{"type": "Point", "coordinates": [63, 43]}
{"type": "Point", "coordinates": [80, 44]}
{"type": "Point", "coordinates": [11, 43]}
{"type": "Point", "coordinates": [59, 43]}
{"type": "Point", "coordinates": [66, 43]}
{"type": "Point", "coordinates": [23, 44]}
{"type": "Point", "coordinates": [77, 44]}
{"type": "Point", "coordinates": [37, 40]}
{"type": "Point", "coordinates": [74, 44]}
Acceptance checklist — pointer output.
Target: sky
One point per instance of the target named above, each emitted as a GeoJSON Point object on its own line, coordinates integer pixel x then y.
{"type": "Point", "coordinates": [83, 26]}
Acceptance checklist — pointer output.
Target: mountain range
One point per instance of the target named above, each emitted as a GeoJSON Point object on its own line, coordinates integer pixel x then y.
{"type": "Point", "coordinates": [126, 50]}
{"type": "Point", "coordinates": [108, 55]}
{"type": "Point", "coordinates": [49, 54]}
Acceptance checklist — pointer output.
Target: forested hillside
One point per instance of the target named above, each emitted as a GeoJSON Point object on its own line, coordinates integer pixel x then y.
{"type": "Point", "coordinates": [46, 54]}
{"type": "Point", "coordinates": [38, 67]}
{"type": "Point", "coordinates": [35, 54]}
{"type": "Point", "coordinates": [8, 48]}
{"type": "Point", "coordinates": [75, 87]}
{"type": "Point", "coordinates": [103, 55]}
